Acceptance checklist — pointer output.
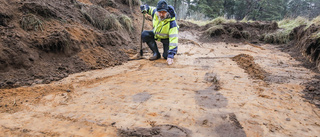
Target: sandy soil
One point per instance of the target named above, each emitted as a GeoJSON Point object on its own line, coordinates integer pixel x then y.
{"type": "Point", "coordinates": [205, 93]}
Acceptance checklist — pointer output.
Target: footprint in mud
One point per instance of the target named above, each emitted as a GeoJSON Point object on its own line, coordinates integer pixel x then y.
{"type": "Point", "coordinates": [141, 97]}
{"type": "Point", "coordinates": [210, 98]}
{"type": "Point", "coordinates": [156, 131]}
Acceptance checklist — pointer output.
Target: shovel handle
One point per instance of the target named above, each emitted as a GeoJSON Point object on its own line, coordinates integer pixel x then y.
{"type": "Point", "coordinates": [141, 51]}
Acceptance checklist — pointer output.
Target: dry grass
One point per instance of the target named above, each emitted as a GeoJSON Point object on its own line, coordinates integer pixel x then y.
{"type": "Point", "coordinates": [221, 20]}
{"type": "Point", "coordinates": [215, 30]}
{"type": "Point", "coordinates": [316, 35]}
{"type": "Point", "coordinates": [126, 22]}
{"type": "Point", "coordinates": [216, 21]}
{"type": "Point", "coordinates": [245, 20]}
{"type": "Point", "coordinates": [282, 36]}
{"type": "Point", "coordinates": [246, 34]}
{"type": "Point", "coordinates": [316, 20]}
{"type": "Point", "coordinates": [101, 18]}
{"type": "Point", "coordinates": [111, 22]}
{"type": "Point", "coordinates": [31, 22]}
{"type": "Point", "coordinates": [198, 22]}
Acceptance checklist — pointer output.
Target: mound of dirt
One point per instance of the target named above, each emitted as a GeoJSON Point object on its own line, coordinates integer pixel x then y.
{"type": "Point", "coordinates": [312, 91]}
{"type": "Point", "coordinates": [237, 32]}
{"type": "Point", "coordinates": [43, 41]}
{"type": "Point", "coordinates": [247, 63]}
{"type": "Point", "coordinates": [308, 42]}
{"type": "Point", "coordinates": [186, 25]}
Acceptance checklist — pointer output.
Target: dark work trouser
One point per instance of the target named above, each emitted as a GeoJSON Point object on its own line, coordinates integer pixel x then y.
{"type": "Point", "coordinates": [148, 37]}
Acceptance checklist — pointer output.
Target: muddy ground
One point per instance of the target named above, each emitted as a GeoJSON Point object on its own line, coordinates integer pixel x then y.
{"type": "Point", "coordinates": [213, 89]}
{"type": "Point", "coordinates": [77, 81]}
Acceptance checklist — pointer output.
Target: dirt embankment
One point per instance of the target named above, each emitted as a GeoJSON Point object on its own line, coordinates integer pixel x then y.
{"type": "Point", "coordinates": [43, 41]}
{"type": "Point", "coordinates": [232, 32]}
{"type": "Point", "coordinates": [307, 43]}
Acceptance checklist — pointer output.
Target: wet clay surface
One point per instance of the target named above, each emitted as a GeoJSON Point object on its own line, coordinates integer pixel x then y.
{"type": "Point", "coordinates": [205, 93]}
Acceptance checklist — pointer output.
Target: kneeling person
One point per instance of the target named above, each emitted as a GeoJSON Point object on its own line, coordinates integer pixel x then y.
{"type": "Point", "coordinates": [165, 29]}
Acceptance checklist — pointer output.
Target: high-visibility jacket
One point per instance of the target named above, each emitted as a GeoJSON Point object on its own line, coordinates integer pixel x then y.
{"type": "Point", "coordinates": [165, 29]}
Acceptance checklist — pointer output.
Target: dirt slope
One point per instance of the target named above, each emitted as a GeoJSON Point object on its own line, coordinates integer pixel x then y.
{"type": "Point", "coordinates": [45, 40]}
{"type": "Point", "coordinates": [211, 90]}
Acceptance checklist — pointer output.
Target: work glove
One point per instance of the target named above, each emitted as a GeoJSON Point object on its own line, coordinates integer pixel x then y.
{"type": "Point", "coordinates": [169, 61]}
{"type": "Point", "coordinates": [143, 8]}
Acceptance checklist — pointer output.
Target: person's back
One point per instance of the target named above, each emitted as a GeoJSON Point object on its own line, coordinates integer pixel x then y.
{"type": "Point", "coordinates": [165, 29]}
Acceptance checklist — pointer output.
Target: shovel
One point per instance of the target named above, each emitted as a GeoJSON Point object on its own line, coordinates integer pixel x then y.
{"type": "Point", "coordinates": [140, 56]}
{"type": "Point", "coordinates": [141, 51]}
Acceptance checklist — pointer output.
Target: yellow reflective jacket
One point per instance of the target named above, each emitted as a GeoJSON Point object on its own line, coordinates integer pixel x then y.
{"type": "Point", "coordinates": [165, 29]}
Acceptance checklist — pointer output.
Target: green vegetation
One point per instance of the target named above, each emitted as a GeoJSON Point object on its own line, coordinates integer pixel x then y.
{"type": "Point", "coordinates": [31, 22]}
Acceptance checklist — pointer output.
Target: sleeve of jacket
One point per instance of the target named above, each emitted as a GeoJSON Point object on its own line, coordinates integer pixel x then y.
{"type": "Point", "coordinates": [151, 10]}
{"type": "Point", "coordinates": [173, 39]}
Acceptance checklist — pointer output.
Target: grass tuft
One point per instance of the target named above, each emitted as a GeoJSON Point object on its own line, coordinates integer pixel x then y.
{"type": "Point", "coordinates": [198, 22]}
{"type": "Point", "coordinates": [245, 20]}
{"type": "Point", "coordinates": [316, 35]}
{"type": "Point", "coordinates": [31, 22]}
{"type": "Point", "coordinates": [215, 30]}
{"type": "Point", "coordinates": [316, 21]}
{"type": "Point", "coordinates": [111, 22]}
{"type": "Point", "coordinates": [101, 18]}
{"type": "Point", "coordinates": [221, 20]}
{"type": "Point", "coordinates": [286, 26]}
{"type": "Point", "coordinates": [126, 22]}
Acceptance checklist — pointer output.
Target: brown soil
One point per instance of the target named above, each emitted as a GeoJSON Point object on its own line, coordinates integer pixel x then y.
{"type": "Point", "coordinates": [240, 32]}
{"type": "Point", "coordinates": [185, 25]}
{"type": "Point", "coordinates": [247, 63]}
{"type": "Point", "coordinates": [61, 43]}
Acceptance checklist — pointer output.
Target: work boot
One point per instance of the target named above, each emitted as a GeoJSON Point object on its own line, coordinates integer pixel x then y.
{"type": "Point", "coordinates": [153, 46]}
